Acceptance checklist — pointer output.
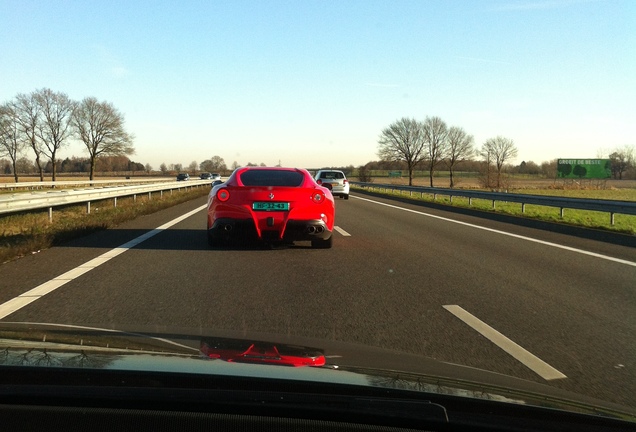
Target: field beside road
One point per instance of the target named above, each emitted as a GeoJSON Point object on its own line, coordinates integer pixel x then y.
{"type": "Point", "coordinates": [515, 183]}
{"type": "Point", "coordinates": [590, 219]}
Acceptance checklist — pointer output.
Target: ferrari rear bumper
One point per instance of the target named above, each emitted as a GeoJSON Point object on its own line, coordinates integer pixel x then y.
{"type": "Point", "coordinates": [306, 230]}
{"type": "Point", "coordinates": [226, 229]}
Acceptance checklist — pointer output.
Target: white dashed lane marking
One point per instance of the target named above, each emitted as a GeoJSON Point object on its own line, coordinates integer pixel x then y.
{"type": "Point", "coordinates": [528, 359]}
{"type": "Point", "coordinates": [530, 239]}
{"type": "Point", "coordinates": [17, 303]}
{"type": "Point", "coordinates": [341, 231]}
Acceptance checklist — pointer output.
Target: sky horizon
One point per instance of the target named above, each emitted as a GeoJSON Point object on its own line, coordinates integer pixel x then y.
{"type": "Point", "coordinates": [312, 84]}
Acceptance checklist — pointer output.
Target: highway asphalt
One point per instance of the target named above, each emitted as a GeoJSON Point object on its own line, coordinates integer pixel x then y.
{"type": "Point", "coordinates": [531, 303]}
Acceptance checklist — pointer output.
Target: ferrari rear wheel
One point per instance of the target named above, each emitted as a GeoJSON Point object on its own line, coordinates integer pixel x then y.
{"type": "Point", "coordinates": [321, 244]}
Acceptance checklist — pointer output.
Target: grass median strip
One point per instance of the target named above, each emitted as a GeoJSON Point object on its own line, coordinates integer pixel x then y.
{"type": "Point", "coordinates": [591, 219]}
{"type": "Point", "coordinates": [22, 234]}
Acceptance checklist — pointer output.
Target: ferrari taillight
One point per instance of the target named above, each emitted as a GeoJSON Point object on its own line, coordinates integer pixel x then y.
{"type": "Point", "coordinates": [317, 197]}
{"type": "Point", "coordinates": [223, 195]}
{"type": "Point", "coordinates": [319, 182]}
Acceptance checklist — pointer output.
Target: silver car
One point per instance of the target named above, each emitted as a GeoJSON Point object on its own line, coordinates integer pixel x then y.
{"type": "Point", "coordinates": [334, 180]}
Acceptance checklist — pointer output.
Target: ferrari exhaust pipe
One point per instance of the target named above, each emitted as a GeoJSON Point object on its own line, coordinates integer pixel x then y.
{"type": "Point", "coordinates": [228, 227]}
{"type": "Point", "coordinates": [314, 229]}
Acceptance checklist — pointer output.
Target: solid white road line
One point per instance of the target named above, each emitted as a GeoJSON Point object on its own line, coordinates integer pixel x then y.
{"type": "Point", "coordinates": [341, 231]}
{"type": "Point", "coordinates": [528, 359]}
{"type": "Point", "coordinates": [32, 295]}
{"type": "Point", "coordinates": [571, 249]}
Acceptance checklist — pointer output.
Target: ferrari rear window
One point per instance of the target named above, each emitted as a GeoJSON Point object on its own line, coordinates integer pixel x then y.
{"type": "Point", "coordinates": [272, 178]}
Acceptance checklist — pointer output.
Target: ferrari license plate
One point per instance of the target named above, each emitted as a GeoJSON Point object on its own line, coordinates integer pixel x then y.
{"type": "Point", "coordinates": [270, 206]}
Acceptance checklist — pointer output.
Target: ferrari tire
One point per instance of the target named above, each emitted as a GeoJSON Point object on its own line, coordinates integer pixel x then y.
{"type": "Point", "coordinates": [321, 244]}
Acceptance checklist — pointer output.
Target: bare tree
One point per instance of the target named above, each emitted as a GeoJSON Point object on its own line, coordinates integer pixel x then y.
{"type": "Point", "coordinates": [148, 168]}
{"type": "Point", "coordinates": [206, 166]}
{"type": "Point", "coordinates": [549, 168]}
{"type": "Point", "coordinates": [602, 152]}
{"type": "Point", "coordinates": [28, 114]}
{"type": "Point", "coordinates": [235, 165]}
{"type": "Point", "coordinates": [25, 166]}
{"type": "Point", "coordinates": [219, 163]}
{"type": "Point", "coordinates": [54, 127]}
{"type": "Point", "coordinates": [193, 167]}
{"type": "Point", "coordinates": [436, 138]}
{"type": "Point", "coordinates": [5, 166]}
{"type": "Point", "coordinates": [163, 168]}
{"type": "Point", "coordinates": [460, 147]}
{"type": "Point", "coordinates": [621, 160]}
{"type": "Point", "coordinates": [403, 141]}
{"type": "Point", "coordinates": [500, 150]}
{"type": "Point", "coordinates": [11, 144]}
{"type": "Point", "coordinates": [215, 163]}
{"type": "Point", "coordinates": [364, 173]}
{"type": "Point", "coordinates": [100, 126]}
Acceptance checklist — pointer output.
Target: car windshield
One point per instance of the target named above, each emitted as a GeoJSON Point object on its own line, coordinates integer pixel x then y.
{"type": "Point", "coordinates": [434, 188]}
{"type": "Point", "coordinates": [271, 178]}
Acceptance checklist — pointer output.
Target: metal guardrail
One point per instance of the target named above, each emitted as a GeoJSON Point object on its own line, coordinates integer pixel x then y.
{"type": "Point", "coordinates": [51, 184]}
{"type": "Point", "coordinates": [28, 201]}
{"type": "Point", "coordinates": [606, 206]}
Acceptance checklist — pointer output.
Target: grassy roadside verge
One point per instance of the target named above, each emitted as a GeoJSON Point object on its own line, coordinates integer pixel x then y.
{"type": "Point", "coordinates": [624, 224]}
{"type": "Point", "coordinates": [26, 233]}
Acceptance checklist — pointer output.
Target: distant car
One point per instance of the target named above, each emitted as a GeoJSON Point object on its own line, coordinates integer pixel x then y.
{"type": "Point", "coordinates": [183, 176]}
{"type": "Point", "coordinates": [205, 176]}
{"type": "Point", "coordinates": [215, 176]}
{"type": "Point", "coordinates": [334, 180]}
{"type": "Point", "coordinates": [276, 205]}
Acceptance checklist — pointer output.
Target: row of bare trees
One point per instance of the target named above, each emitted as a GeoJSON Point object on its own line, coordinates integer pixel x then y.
{"type": "Point", "coordinates": [214, 164]}
{"type": "Point", "coordinates": [74, 164]}
{"type": "Point", "coordinates": [44, 121]}
{"type": "Point", "coordinates": [412, 141]}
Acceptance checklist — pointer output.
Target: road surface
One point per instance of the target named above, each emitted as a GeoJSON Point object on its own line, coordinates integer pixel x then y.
{"type": "Point", "coordinates": [534, 304]}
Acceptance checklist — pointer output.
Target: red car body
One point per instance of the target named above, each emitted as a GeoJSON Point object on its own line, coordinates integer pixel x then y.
{"type": "Point", "coordinates": [272, 204]}
{"type": "Point", "coordinates": [244, 351]}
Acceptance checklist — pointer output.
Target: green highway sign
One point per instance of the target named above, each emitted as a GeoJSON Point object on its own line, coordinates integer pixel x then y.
{"type": "Point", "coordinates": [584, 168]}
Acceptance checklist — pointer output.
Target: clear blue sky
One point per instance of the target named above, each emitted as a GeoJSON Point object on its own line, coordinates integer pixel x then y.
{"type": "Point", "coordinates": [313, 83]}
